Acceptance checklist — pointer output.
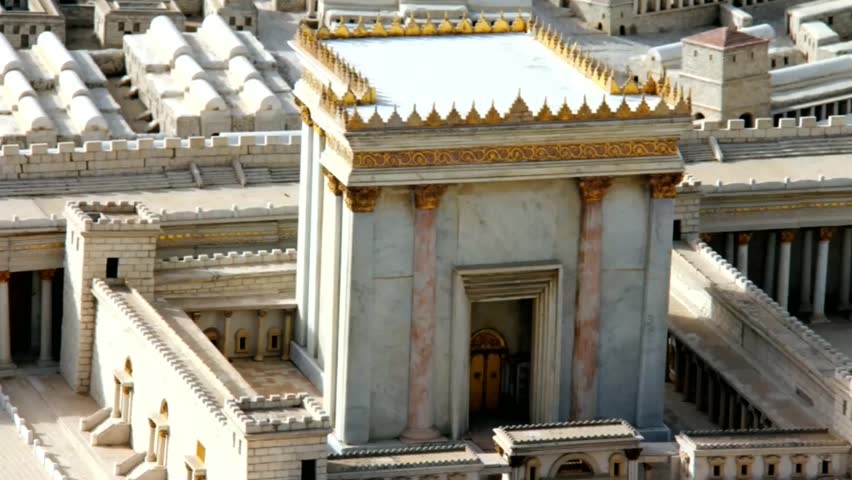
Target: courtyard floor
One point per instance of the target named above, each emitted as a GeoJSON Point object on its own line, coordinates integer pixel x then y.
{"type": "Point", "coordinates": [274, 376]}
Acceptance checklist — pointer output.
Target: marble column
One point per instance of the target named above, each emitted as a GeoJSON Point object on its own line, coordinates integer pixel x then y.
{"type": "Point", "coordinates": [330, 276]}
{"type": "Point", "coordinates": [5, 327]}
{"type": "Point", "coordinates": [116, 400]}
{"type": "Point", "coordinates": [807, 271]}
{"type": "Point", "coordinates": [229, 334]}
{"type": "Point", "coordinates": [261, 336]}
{"type": "Point", "coordinates": [303, 229]}
{"type": "Point", "coordinates": [782, 294]}
{"type": "Point", "coordinates": [161, 448]}
{"type": "Point", "coordinates": [729, 248]}
{"type": "Point", "coordinates": [46, 344]}
{"type": "Point", "coordinates": [769, 264]}
{"type": "Point", "coordinates": [151, 455]}
{"type": "Point", "coordinates": [288, 334]}
{"type": "Point", "coordinates": [846, 269]}
{"type": "Point", "coordinates": [821, 276]}
{"type": "Point", "coordinates": [421, 419]}
{"type": "Point", "coordinates": [317, 196]}
{"type": "Point", "coordinates": [654, 324]}
{"type": "Point", "coordinates": [742, 252]}
{"type": "Point", "coordinates": [125, 403]}
{"type": "Point", "coordinates": [584, 377]}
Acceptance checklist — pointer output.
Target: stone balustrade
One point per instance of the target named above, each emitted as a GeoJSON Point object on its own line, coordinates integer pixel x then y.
{"type": "Point", "coordinates": [232, 258]}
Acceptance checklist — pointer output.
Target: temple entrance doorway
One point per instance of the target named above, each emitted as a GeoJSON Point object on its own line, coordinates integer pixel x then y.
{"type": "Point", "coordinates": [500, 347]}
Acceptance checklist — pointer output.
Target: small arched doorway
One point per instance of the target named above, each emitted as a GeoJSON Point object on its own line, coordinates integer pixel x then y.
{"type": "Point", "coordinates": [748, 119]}
{"type": "Point", "coordinates": [622, 31]}
{"type": "Point", "coordinates": [487, 353]}
{"type": "Point", "coordinates": [600, 26]}
{"type": "Point", "coordinates": [574, 466]}
{"type": "Point", "coordinates": [699, 116]}
{"type": "Point", "coordinates": [212, 334]}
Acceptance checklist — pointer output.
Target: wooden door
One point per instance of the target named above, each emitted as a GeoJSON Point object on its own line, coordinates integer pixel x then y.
{"type": "Point", "coordinates": [487, 352]}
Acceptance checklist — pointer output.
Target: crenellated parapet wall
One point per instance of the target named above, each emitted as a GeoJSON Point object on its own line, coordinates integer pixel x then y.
{"type": "Point", "coordinates": [148, 155]}
{"type": "Point", "coordinates": [735, 131]}
{"type": "Point", "coordinates": [261, 257]}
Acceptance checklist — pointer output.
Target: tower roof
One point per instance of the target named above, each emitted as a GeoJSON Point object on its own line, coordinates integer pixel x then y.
{"type": "Point", "coordinates": [725, 38]}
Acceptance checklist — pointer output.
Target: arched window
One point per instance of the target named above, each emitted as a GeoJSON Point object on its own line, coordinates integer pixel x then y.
{"type": "Point", "coordinates": [770, 466]}
{"type": "Point", "coordinates": [273, 339]}
{"type": "Point", "coordinates": [573, 465]}
{"type": "Point", "coordinates": [600, 26]}
{"type": "Point", "coordinates": [212, 334]}
{"type": "Point", "coordinates": [533, 467]}
{"type": "Point", "coordinates": [748, 119]}
{"type": "Point", "coordinates": [128, 366]}
{"type": "Point", "coordinates": [699, 116]}
{"type": "Point", "coordinates": [242, 341]}
{"type": "Point", "coordinates": [617, 466]}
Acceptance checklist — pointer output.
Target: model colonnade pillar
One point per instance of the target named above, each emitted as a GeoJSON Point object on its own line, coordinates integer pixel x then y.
{"type": "Point", "coordinates": [587, 324]}
{"type": "Point", "coordinates": [46, 316]}
{"type": "Point", "coordinates": [783, 293]}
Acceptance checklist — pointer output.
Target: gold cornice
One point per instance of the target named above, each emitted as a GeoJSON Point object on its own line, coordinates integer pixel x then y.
{"type": "Point", "coordinates": [664, 185]}
{"type": "Point", "coordinates": [428, 197]}
{"type": "Point", "coordinates": [361, 199]}
{"type": "Point", "coordinates": [593, 189]}
{"type": "Point", "coordinates": [710, 210]}
{"type": "Point", "coordinates": [508, 154]}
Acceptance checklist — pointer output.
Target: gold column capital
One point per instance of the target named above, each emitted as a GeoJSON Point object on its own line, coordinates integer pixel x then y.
{"type": "Point", "coordinates": [228, 313]}
{"type": "Point", "coordinates": [4, 276]}
{"type": "Point", "coordinates": [46, 274]}
{"type": "Point", "coordinates": [825, 234]}
{"type": "Point", "coordinates": [334, 185]}
{"type": "Point", "coordinates": [196, 316]}
{"type": "Point", "coordinates": [706, 237]}
{"type": "Point", "coordinates": [261, 313]}
{"type": "Point", "coordinates": [664, 185]}
{"type": "Point", "coordinates": [305, 113]}
{"type": "Point", "coordinates": [787, 236]}
{"type": "Point", "coordinates": [593, 189]}
{"type": "Point", "coordinates": [361, 199]}
{"type": "Point", "coordinates": [743, 238]}
{"type": "Point", "coordinates": [428, 197]}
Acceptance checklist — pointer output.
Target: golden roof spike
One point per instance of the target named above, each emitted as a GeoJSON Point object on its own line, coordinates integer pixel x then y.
{"type": "Point", "coordinates": [414, 120]}
{"type": "Point", "coordinates": [519, 111]}
{"type": "Point", "coordinates": [433, 119]}
{"type": "Point", "coordinates": [378, 29]}
{"type": "Point", "coordinates": [375, 122]}
{"type": "Point", "coordinates": [544, 114]}
{"type": "Point", "coordinates": [493, 116]}
{"type": "Point", "coordinates": [584, 112]}
{"type": "Point", "coordinates": [482, 25]}
{"type": "Point", "coordinates": [359, 30]}
{"type": "Point", "coordinates": [464, 25]}
{"type": "Point", "coordinates": [501, 25]}
{"type": "Point", "coordinates": [643, 109]}
{"type": "Point", "coordinates": [395, 121]}
{"type": "Point", "coordinates": [342, 31]}
{"type": "Point", "coordinates": [650, 86]}
{"type": "Point", "coordinates": [564, 114]}
{"type": "Point", "coordinates": [614, 89]}
{"type": "Point", "coordinates": [473, 117]}
{"type": "Point", "coordinates": [604, 110]}
{"type": "Point", "coordinates": [411, 27]}
{"type": "Point", "coordinates": [445, 27]}
{"type": "Point", "coordinates": [323, 33]}
{"type": "Point", "coordinates": [453, 117]}
{"type": "Point", "coordinates": [396, 29]}
{"type": "Point", "coordinates": [355, 122]}
{"type": "Point", "coordinates": [429, 27]}
{"type": "Point", "coordinates": [623, 110]}
{"type": "Point", "coordinates": [519, 24]}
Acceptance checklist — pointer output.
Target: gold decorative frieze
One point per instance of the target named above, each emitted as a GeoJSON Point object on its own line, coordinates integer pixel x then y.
{"type": "Point", "coordinates": [361, 199]}
{"type": "Point", "coordinates": [412, 27]}
{"type": "Point", "coordinates": [428, 197]}
{"type": "Point", "coordinates": [515, 154]}
{"type": "Point", "coordinates": [593, 189]}
{"type": "Point", "coordinates": [664, 185]}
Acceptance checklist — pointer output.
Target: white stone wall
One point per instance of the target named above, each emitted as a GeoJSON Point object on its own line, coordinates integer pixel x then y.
{"type": "Point", "coordinates": [734, 131]}
{"type": "Point", "coordinates": [156, 378]}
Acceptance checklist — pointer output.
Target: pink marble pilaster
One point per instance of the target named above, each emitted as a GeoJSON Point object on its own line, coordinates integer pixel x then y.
{"type": "Point", "coordinates": [421, 416]}
{"type": "Point", "coordinates": [584, 386]}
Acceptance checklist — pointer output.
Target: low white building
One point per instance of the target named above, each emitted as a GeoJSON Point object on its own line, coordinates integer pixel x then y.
{"type": "Point", "coordinates": [21, 21]}
{"type": "Point", "coordinates": [212, 81]}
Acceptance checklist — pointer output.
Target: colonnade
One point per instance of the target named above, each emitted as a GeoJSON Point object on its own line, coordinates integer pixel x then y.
{"type": "Point", "coordinates": [778, 254]}
{"type": "Point", "coordinates": [821, 112]}
{"type": "Point", "coordinates": [700, 384]}
{"type": "Point", "coordinates": [648, 6]}
{"type": "Point", "coordinates": [45, 320]}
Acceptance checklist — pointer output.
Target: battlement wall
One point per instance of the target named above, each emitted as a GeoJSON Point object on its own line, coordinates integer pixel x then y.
{"type": "Point", "coordinates": [735, 131]}
{"type": "Point", "coordinates": [148, 155]}
{"type": "Point", "coordinates": [262, 257]}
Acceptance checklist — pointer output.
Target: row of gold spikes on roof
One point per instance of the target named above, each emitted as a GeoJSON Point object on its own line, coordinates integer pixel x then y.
{"type": "Point", "coordinates": [599, 72]}
{"type": "Point", "coordinates": [518, 113]}
{"type": "Point", "coordinates": [412, 28]}
{"type": "Point", "coordinates": [357, 85]}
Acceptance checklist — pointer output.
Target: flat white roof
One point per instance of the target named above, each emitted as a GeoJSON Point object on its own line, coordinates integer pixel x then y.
{"type": "Point", "coordinates": [481, 68]}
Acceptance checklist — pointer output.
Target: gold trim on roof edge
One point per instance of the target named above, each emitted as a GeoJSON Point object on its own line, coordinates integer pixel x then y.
{"type": "Point", "coordinates": [507, 154]}
{"type": "Point", "coordinates": [674, 102]}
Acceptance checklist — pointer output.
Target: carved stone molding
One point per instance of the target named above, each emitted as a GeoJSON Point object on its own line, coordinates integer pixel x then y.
{"type": "Point", "coordinates": [334, 185]}
{"type": "Point", "coordinates": [361, 199]}
{"type": "Point", "coordinates": [787, 236]}
{"type": "Point", "coordinates": [428, 197]}
{"type": "Point", "coordinates": [305, 113]}
{"type": "Point", "coordinates": [664, 185]}
{"type": "Point", "coordinates": [593, 189]}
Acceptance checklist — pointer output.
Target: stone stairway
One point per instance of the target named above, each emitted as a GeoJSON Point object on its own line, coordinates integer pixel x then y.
{"type": "Point", "coordinates": [796, 147]}
{"type": "Point", "coordinates": [697, 152]}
